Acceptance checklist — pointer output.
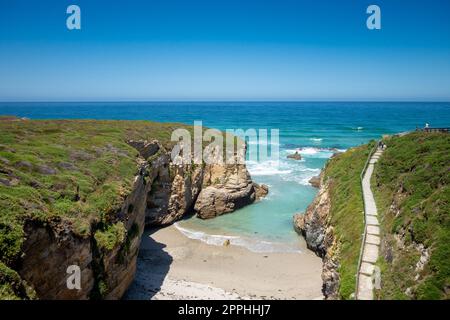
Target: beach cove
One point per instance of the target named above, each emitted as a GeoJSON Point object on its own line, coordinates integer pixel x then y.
{"type": "Point", "coordinates": [182, 268]}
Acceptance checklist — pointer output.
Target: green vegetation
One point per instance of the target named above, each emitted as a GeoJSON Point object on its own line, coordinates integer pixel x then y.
{"type": "Point", "coordinates": [12, 287]}
{"type": "Point", "coordinates": [113, 235]}
{"type": "Point", "coordinates": [347, 211]}
{"type": "Point", "coordinates": [411, 186]}
{"type": "Point", "coordinates": [78, 171]}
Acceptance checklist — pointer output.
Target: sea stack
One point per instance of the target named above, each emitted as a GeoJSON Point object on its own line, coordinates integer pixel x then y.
{"type": "Point", "coordinates": [295, 156]}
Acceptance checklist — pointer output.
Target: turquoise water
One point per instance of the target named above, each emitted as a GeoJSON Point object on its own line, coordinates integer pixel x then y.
{"type": "Point", "coordinates": [311, 128]}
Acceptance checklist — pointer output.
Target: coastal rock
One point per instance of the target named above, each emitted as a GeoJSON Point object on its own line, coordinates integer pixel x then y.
{"type": "Point", "coordinates": [336, 152]}
{"type": "Point", "coordinates": [208, 189]}
{"type": "Point", "coordinates": [145, 148]}
{"type": "Point", "coordinates": [226, 187]}
{"type": "Point", "coordinates": [330, 279]}
{"type": "Point", "coordinates": [315, 181]}
{"type": "Point", "coordinates": [162, 193]}
{"type": "Point", "coordinates": [319, 235]}
{"type": "Point", "coordinates": [229, 187]}
{"type": "Point", "coordinates": [261, 190]}
{"type": "Point", "coordinates": [214, 201]}
{"type": "Point", "coordinates": [53, 248]}
{"type": "Point", "coordinates": [173, 190]}
{"type": "Point", "coordinates": [106, 274]}
{"type": "Point", "coordinates": [295, 156]}
{"type": "Point", "coordinates": [313, 223]}
{"type": "Point", "coordinates": [299, 222]}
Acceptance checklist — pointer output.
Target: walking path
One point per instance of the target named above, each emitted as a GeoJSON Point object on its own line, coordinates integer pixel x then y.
{"type": "Point", "coordinates": [371, 243]}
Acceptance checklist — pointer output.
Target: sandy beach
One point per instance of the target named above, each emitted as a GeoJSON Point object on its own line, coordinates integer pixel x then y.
{"type": "Point", "coordinates": [172, 266]}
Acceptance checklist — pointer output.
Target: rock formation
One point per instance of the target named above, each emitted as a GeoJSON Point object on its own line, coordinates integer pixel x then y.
{"type": "Point", "coordinates": [228, 188]}
{"type": "Point", "coordinates": [145, 148]}
{"type": "Point", "coordinates": [262, 190]}
{"type": "Point", "coordinates": [295, 156]}
{"type": "Point", "coordinates": [314, 226]}
{"type": "Point", "coordinates": [162, 193]}
{"type": "Point", "coordinates": [50, 248]}
{"type": "Point", "coordinates": [315, 181]}
{"type": "Point", "coordinates": [209, 190]}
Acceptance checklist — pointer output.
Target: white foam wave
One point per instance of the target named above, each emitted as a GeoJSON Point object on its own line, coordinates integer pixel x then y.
{"type": "Point", "coordinates": [262, 143]}
{"type": "Point", "coordinates": [254, 245]}
{"type": "Point", "coordinates": [317, 140]}
{"type": "Point", "coordinates": [266, 168]}
{"type": "Point", "coordinates": [313, 152]}
{"type": "Point", "coordinates": [308, 151]}
{"type": "Point", "coordinates": [302, 176]}
{"type": "Point", "coordinates": [310, 170]}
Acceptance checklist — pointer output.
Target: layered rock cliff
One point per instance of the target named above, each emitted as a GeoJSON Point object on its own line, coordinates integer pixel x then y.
{"type": "Point", "coordinates": [209, 190]}
{"type": "Point", "coordinates": [315, 227]}
{"type": "Point", "coordinates": [162, 192]}
{"type": "Point", "coordinates": [107, 268]}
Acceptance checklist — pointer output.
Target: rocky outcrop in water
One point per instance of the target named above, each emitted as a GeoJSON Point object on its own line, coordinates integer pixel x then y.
{"type": "Point", "coordinates": [295, 156]}
{"type": "Point", "coordinates": [228, 188]}
{"type": "Point", "coordinates": [315, 227]}
{"type": "Point", "coordinates": [315, 181]}
{"type": "Point", "coordinates": [209, 190]}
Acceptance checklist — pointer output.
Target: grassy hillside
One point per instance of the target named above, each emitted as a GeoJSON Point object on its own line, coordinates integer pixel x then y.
{"type": "Point", "coordinates": [79, 171]}
{"type": "Point", "coordinates": [411, 186]}
{"type": "Point", "coordinates": [347, 211]}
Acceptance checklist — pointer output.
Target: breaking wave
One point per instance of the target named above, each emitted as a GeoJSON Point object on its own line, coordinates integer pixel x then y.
{"type": "Point", "coordinates": [252, 244]}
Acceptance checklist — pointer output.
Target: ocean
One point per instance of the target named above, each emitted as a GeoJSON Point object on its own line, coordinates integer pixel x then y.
{"type": "Point", "coordinates": [314, 129]}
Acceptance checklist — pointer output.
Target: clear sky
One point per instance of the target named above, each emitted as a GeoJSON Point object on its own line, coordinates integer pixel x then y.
{"type": "Point", "coordinates": [224, 50]}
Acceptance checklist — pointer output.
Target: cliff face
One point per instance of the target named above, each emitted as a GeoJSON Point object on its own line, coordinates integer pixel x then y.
{"type": "Point", "coordinates": [315, 227]}
{"type": "Point", "coordinates": [162, 193]}
{"type": "Point", "coordinates": [105, 272]}
{"type": "Point", "coordinates": [226, 188]}
{"type": "Point", "coordinates": [209, 190]}
{"type": "Point", "coordinates": [334, 222]}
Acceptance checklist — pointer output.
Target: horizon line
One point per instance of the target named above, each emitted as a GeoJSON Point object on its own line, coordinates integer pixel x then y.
{"type": "Point", "coordinates": [226, 101]}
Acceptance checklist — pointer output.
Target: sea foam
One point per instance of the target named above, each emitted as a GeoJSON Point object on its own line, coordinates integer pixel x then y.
{"type": "Point", "coordinates": [252, 244]}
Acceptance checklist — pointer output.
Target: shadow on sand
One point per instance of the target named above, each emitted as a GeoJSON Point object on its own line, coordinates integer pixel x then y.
{"type": "Point", "coordinates": [152, 268]}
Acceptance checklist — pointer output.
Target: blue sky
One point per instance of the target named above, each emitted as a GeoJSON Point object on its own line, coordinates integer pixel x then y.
{"type": "Point", "coordinates": [224, 50]}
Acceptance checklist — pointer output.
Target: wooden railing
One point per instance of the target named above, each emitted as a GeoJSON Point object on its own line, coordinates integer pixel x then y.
{"type": "Point", "coordinates": [361, 177]}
